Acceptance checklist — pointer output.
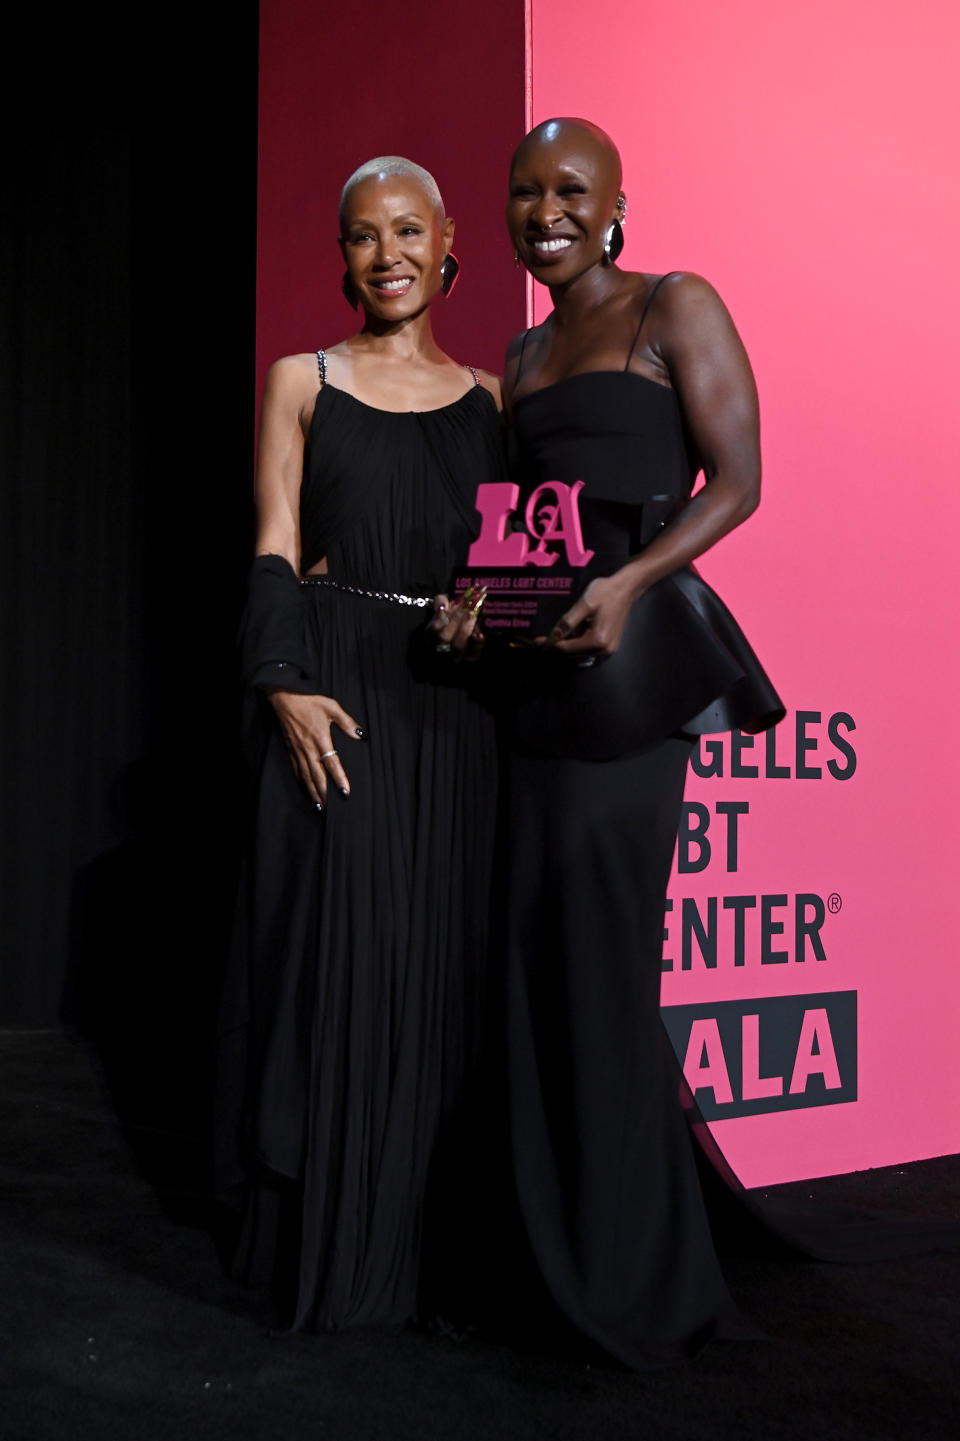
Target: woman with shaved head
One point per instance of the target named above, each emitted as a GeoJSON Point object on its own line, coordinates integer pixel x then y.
{"type": "Point", "coordinates": [633, 385]}
{"type": "Point", "coordinates": [350, 1023]}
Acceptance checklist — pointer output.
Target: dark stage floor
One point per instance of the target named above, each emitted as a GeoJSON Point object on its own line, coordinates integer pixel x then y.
{"type": "Point", "coordinates": [116, 1321]}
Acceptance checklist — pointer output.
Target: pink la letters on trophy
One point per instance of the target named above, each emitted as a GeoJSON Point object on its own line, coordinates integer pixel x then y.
{"type": "Point", "coordinates": [531, 575]}
{"type": "Point", "coordinates": [560, 521]}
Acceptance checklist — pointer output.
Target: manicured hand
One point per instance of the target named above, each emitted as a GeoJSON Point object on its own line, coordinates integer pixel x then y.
{"type": "Point", "coordinates": [455, 623]}
{"type": "Point", "coordinates": [593, 626]}
{"type": "Point", "coordinates": [306, 722]}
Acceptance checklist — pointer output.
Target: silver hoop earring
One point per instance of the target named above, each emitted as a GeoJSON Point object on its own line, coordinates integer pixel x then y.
{"type": "Point", "coordinates": [612, 241]}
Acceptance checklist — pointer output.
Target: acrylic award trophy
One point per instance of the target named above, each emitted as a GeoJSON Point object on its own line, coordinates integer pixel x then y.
{"type": "Point", "coordinates": [532, 574]}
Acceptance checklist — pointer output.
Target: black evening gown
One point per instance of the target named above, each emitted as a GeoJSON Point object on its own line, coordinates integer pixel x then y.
{"type": "Point", "coordinates": [351, 1024]}
{"type": "Point", "coordinates": [607, 1177]}
{"type": "Point", "coordinates": [623, 1197]}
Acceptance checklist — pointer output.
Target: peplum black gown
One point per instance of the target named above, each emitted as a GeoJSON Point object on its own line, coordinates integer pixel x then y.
{"type": "Point", "coordinates": [624, 1198]}
{"type": "Point", "coordinates": [350, 1028]}
{"type": "Point", "coordinates": [608, 1181]}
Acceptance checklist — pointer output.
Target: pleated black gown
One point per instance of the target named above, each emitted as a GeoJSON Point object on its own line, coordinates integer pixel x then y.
{"type": "Point", "coordinates": [352, 1018]}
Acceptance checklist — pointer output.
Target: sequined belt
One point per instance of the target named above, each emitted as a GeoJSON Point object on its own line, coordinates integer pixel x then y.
{"type": "Point", "coordinates": [395, 597]}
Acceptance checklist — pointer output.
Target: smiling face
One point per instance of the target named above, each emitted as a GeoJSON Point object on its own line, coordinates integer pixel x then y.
{"type": "Point", "coordinates": [564, 192]}
{"type": "Point", "coordinates": [394, 243]}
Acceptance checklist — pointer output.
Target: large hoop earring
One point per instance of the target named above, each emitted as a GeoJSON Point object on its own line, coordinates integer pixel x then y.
{"type": "Point", "coordinates": [449, 270]}
{"type": "Point", "coordinates": [349, 292]}
{"type": "Point", "coordinates": [612, 241]}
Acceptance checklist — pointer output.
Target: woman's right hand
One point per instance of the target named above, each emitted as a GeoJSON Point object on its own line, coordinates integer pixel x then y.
{"type": "Point", "coordinates": [455, 623]}
{"type": "Point", "coordinates": [306, 722]}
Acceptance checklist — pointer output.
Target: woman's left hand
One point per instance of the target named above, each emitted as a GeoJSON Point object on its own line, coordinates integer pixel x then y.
{"type": "Point", "coordinates": [599, 615]}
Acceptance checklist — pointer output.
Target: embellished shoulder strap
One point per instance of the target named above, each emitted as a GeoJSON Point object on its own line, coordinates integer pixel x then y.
{"type": "Point", "coordinates": [476, 378]}
{"type": "Point", "coordinates": [322, 365]}
{"type": "Point", "coordinates": [643, 314]}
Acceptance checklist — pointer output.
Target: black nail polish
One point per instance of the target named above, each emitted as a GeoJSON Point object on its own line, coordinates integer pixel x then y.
{"type": "Point", "coordinates": [319, 805]}
{"type": "Point", "coordinates": [344, 792]}
{"type": "Point", "coordinates": [361, 733]}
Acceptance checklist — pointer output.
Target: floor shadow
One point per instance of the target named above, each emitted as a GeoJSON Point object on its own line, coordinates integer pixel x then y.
{"type": "Point", "coordinates": [150, 922]}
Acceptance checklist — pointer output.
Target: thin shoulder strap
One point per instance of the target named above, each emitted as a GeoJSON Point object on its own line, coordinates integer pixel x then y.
{"type": "Point", "coordinates": [643, 314]}
{"type": "Point", "coordinates": [322, 365]}
{"type": "Point", "coordinates": [476, 378]}
{"type": "Point", "coordinates": [523, 346]}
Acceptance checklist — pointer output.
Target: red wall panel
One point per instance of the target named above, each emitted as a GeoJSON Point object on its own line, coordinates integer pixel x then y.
{"type": "Point", "coordinates": [441, 84]}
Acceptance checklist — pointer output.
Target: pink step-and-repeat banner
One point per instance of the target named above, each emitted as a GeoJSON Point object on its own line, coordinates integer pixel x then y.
{"type": "Point", "coordinates": [803, 158]}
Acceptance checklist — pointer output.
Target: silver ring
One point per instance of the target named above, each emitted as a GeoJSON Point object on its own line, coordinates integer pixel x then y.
{"type": "Point", "coordinates": [327, 753]}
{"type": "Point", "coordinates": [442, 647]}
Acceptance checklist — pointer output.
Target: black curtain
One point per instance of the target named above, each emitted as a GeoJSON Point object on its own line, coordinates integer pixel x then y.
{"type": "Point", "coordinates": [127, 245]}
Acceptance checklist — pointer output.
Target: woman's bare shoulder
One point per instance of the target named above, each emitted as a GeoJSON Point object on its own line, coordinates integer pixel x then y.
{"type": "Point", "coordinates": [293, 374]}
{"type": "Point", "coordinates": [515, 345]}
{"type": "Point", "coordinates": [532, 332]}
{"type": "Point", "coordinates": [684, 291]}
{"type": "Point", "coordinates": [515, 350]}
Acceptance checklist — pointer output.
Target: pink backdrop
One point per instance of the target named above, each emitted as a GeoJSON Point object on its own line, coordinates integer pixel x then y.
{"type": "Point", "coordinates": [803, 158]}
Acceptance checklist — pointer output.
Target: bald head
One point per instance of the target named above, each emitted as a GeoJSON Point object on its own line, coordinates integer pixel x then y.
{"type": "Point", "coordinates": [567, 134]}
{"type": "Point", "coordinates": [385, 167]}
